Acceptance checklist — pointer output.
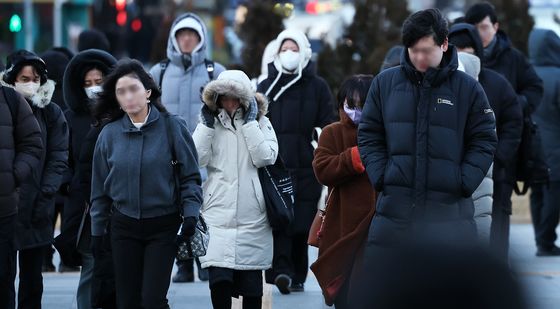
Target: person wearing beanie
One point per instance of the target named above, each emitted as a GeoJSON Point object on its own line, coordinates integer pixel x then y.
{"type": "Point", "coordinates": [27, 74]}
{"type": "Point", "coordinates": [182, 77]}
{"type": "Point", "coordinates": [93, 39]}
{"type": "Point", "coordinates": [299, 102]}
{"type": "Point", "coordinates": [234, 139]}
{"type": "Point", "coordinates": [509, 125]}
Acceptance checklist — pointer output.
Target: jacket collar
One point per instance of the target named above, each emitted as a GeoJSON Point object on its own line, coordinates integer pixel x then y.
{"type": "Point", "coordinates": [344, 119]}
{"type": "Point", "coordinates": [128, 127]}
{"type": "Point", "coordinates": [433, 77]}
{"type": "Point", "coordinates": [226, 121]}
{"type": "Point", "coordinates": [503, 44]}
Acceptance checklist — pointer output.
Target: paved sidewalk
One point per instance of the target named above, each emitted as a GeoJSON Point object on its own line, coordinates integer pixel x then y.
{"type": "Point", "coordinates": [540, 276]}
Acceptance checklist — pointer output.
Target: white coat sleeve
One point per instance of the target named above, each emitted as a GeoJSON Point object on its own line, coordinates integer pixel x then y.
{"type": "Point", "coordinates": [261, 142]}
{"type": "Point", "coordinates": [203, 137]}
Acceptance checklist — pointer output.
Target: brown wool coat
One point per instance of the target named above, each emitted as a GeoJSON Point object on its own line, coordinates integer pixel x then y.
{"type": "Point", "coordinates": [351, 206]}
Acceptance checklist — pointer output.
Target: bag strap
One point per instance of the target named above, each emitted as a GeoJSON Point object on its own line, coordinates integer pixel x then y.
{"type": "Point", "coordinates": [209, 68]}
{"type": "Point", "coordinates": [163, 66]}
{"type": "Point", "coordinates": [174, 162]}
{"type": "Point", "coordinates": [327, 201]}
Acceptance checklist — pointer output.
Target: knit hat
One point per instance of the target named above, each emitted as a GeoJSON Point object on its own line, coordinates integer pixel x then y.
{"type": "Point", "coordinates": [18, 59]}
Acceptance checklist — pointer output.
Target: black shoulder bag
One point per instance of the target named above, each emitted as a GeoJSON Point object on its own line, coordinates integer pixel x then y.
{"type": "Point", "coordinates": [278, 192]}
{"type": "Point", "coordinates": [198, 243]}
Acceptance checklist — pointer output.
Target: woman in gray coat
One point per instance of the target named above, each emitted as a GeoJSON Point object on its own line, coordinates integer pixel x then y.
{"type": "Point", "coordinates": [133, 185]}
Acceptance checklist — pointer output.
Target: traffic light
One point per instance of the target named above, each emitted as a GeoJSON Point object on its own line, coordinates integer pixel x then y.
{"type": "Point", "coordinates": [136, 25]}
{"type": "Point", "coordinates": [120, 5]}
{"type": "Point", "coordinates": [121, 18]}
{"type": "Point", "coordinates": [15, 23]}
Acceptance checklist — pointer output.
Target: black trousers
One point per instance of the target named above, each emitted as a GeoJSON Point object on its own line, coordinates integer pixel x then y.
{"type": "Point", "coordinates": [7, 262]}
{"type": "Point", "coordinates": [290, 257]}
{"type": "Point", "coordinates": [30, 290]}
{"type": "Point", "coordinates": [501, 212]}
{"type": "Point", "coordinates": [545, 212]}
{"type": "Point", "coordinates": [143, 254]}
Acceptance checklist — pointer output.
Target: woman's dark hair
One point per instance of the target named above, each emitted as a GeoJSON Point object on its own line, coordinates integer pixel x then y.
{"type": "Point", "coordinates": [93, 66]}
{"type": "Point", "coordinates": [107, 108]}
{"type": "Point", "coordinates": [479, 11]}
{"type": "Point", "coordinates": [354, 90]}
{"type": "Point", "coordinates": [425, 23]}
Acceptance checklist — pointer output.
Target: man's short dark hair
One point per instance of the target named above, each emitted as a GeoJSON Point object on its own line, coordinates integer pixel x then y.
{"type": "Point", "coordinates": [425, 23]}
{"type": "Point", "coordinates": [479, 11]}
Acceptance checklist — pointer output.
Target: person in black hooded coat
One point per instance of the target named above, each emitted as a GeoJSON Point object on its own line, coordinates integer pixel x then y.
{"type": "Point", "coordinates": [56, 61]}
{"type": "Point", "coordinates": [82, 83]}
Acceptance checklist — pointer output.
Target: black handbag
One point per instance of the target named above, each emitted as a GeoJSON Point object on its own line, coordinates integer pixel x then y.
{"type": "Point", "coordinates": [532, 167]}
{"type": "Point", "coordinates": [198, 243]}
{"type": "Point", "coordinates": [278, 192]}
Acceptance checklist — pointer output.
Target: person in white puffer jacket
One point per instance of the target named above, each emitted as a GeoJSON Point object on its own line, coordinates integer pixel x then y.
{"type": "Point", "coordinates": [482, 196]}
{"type": "Point", "coordinates": [233, 140]}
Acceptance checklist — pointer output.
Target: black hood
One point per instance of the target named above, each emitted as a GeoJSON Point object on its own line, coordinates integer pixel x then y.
{"type": "Point", "coordinates": [544, 48]}
{"type": "Point", "coordinates": [74, 94]}
{"type": "Point", "coordinates": [433, 76]}
{"type": "Point", "coordinates": [56, 62]}
{"type": "Point", "coordinates": [392, 58]}
{"type": "Point", "coordinates": [93, 39]}
{"type": "Point", "coordinates": [469, 30]}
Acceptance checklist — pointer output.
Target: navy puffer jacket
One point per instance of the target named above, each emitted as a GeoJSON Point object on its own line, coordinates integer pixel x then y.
{"type": "Point", "coordinates": [427, 141]}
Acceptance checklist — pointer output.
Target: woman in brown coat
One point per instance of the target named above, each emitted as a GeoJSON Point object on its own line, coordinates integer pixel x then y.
{"type": "Point", "coordinates": [351, 205]}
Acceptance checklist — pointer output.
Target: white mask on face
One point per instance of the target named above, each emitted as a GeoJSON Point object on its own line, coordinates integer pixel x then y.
{"type": "Point", "coordinates": [289, 60]}
{"type": "Point", "coordinates": [27, 89]}
{"type": "Point", "coordinates": [93, 91]}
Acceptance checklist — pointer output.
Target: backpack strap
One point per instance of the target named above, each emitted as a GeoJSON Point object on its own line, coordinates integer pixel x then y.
{"type": "Point", "coordinates": [163, 66]}
{"type": "Point", "coordinates": [12, 101]}
{"type": "Point", "coordinates": [209, 68]}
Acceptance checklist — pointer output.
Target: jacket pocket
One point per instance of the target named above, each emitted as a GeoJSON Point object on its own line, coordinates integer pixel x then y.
{"type": "Point", "coordinates": [259, 194]}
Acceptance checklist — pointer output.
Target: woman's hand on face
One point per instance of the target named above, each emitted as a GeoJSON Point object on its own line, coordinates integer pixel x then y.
{"type": "Point", "coordinates": [207, 116]}
{"type": "Point", "coordinates": [251, 113]}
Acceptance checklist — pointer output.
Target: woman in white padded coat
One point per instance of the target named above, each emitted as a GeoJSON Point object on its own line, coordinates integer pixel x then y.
{"type": "Point", "coordinates": [233, 140]}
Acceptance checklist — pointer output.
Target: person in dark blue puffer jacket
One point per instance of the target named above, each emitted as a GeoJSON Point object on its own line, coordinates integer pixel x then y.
{"type": "Point", "coordinates": [427, 139]}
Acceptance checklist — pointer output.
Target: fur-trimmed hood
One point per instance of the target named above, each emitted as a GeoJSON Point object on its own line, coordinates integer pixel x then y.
{"type": "Point", "coordinates": [43, 96]}
{"type": "Point", "coordinates": [234, 83]}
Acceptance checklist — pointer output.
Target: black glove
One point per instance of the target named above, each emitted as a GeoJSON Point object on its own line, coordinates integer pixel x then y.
{"type": "Point", "coordinates": [188, 228]}
{"type": "Point", "coordinates": [40, 215]}
{"type": "Point", "coordinates": [96, 246]}
{"type": "Point", "coordinates": [206, 116]}
{"type": "Point", "coordinates": [251, 113]}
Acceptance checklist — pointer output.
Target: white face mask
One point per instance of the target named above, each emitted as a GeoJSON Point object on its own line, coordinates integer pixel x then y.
{"type": "Point", "coordinates": [93, 91]}
{"type": "Point", "coordinates": [289, 60]}
{"type": "Point", "coordinates": [27, 89]}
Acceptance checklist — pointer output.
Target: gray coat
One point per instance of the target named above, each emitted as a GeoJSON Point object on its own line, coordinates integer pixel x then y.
{"type": "Point", "coordinates": [544, 49]}
{"type": "Point", "coordinates": [132, 171]}
{"type": "Point", "coordinates": [182, 82]}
